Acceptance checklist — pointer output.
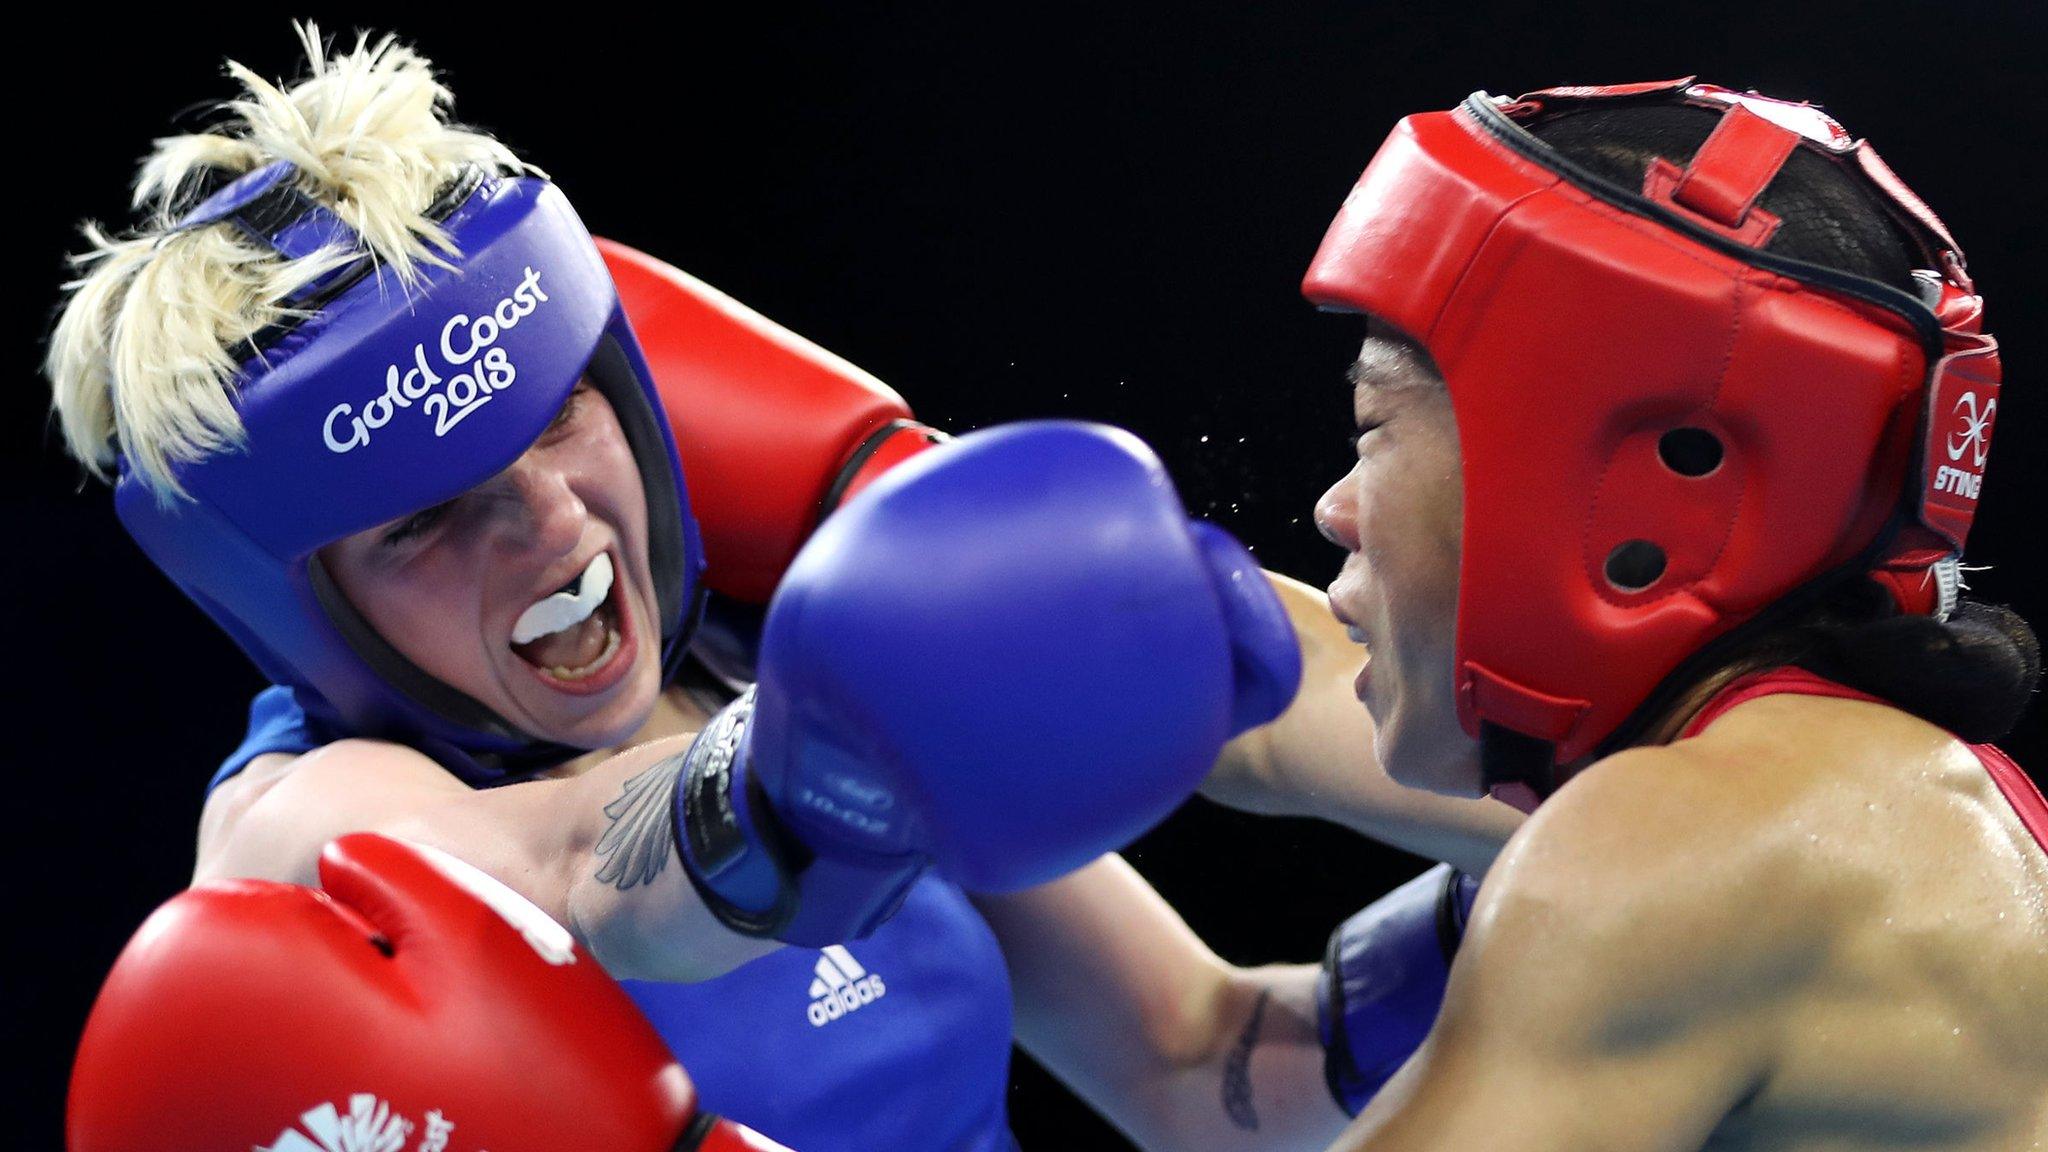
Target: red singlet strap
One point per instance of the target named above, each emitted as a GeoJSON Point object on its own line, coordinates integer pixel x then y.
{"type": "Point", "coordinates": [2020, 792]}
{"type": "Point", "coordinates": [1777, 681]}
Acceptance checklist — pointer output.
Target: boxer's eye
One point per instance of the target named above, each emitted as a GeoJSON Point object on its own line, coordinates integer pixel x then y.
{"type": "Point", "coordinates": [567, 416]}
{"type": "Point", "coordinates": [415, 525]}
{"type": "Point", "coordinates": [1365, 428]}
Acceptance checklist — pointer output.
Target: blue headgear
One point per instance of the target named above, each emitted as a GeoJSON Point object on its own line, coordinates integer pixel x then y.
{"type": "Point", "coordinates": [384, 402]}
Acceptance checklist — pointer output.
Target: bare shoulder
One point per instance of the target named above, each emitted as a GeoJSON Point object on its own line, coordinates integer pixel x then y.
{"type": "Point", "coordinates": [1814, 904]}
{"type": "Point", "coordinates": [1644, 818]}
{"type": "Point", "coordinates": [1927, 890]}
{"type": "Point", "coordinates": [1652, 888]}
{"type": "Point", "coordinates": [269, 820]}
{"type": "Point", "coordinates": [1754, 835]}
{"type": "Point", "coordinates": [1617, 945]}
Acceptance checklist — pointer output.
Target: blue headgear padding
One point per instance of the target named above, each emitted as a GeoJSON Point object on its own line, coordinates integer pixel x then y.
{"type": "Point", "coordinates": [384, 402]}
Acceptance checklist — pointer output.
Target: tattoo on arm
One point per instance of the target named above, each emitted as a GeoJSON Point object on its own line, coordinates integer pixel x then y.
{"type": "Point", "coordinates": [1237, 1069]}
{"type": "Point", "coordinates": [641, 837]}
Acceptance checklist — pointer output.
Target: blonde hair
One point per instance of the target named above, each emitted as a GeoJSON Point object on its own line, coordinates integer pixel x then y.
{"type": "Point", "coordinates": [143, 358]}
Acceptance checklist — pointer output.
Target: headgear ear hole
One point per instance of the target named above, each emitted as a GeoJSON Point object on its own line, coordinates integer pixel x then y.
{"type": "Point", "coordinates": [1690, 451]}
{"type": "Point", "coordinates": [1634, 565]}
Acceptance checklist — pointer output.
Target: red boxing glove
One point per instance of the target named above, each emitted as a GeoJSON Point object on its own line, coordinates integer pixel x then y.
{"type": "Point", "coordinates": [415, 1006]}
{"type": "Point", "coordinates": [774, 432]}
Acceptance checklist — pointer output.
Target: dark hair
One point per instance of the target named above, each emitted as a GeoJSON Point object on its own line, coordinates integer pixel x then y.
{"type": "Point", "coordinates": [1973, 674]}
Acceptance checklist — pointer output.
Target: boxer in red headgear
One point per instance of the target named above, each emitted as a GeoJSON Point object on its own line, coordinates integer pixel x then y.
{"type": "Point", "coordinates": [1717, 390]}
{"type": "Point", "coordinates": [415, 1004]}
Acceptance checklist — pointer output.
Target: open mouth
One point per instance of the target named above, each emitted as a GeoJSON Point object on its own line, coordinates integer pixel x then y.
{"type": "Point", "coordinates": [576, 638]}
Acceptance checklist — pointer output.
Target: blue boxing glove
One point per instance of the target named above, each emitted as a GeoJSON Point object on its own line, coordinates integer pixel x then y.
{"type": "Point", "coordinates": [1383, 980]}
{"type": "Point", "coordinates": [1006, 657]}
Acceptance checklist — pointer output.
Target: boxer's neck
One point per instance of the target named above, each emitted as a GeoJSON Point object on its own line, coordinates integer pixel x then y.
{"type": "Point", "coordinates": [1665, 727]}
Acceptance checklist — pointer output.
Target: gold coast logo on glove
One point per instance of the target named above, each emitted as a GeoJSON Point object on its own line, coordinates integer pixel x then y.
{"type": "Point", "coordinates": [369, 1125]}
{"type": "Point", "coordinates": [468, 353]}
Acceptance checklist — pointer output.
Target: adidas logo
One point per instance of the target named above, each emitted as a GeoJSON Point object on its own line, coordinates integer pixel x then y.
{"type": "Point", "coordinates": [369, 1126]}
{"type": "Point", "coordinates": [841, 986]}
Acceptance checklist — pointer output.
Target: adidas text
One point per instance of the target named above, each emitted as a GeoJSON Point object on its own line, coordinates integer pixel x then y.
{"type": "Point", "coordinates": [841, 986]}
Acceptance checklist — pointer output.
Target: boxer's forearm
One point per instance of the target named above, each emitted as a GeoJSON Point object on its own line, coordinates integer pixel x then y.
{"type": "Point", "coordinates": [1261, 1086]}
{"type": "Point", "coordinates": [1247, 1074]}
{"type": "Point", "coordinates": [1317, 759]}
{"type": "Point", "coordinates": [1175, 1047]}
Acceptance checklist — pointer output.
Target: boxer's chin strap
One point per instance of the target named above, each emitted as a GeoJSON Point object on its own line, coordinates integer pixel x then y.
{"type": "Point", "coordinates": [1518, 770]}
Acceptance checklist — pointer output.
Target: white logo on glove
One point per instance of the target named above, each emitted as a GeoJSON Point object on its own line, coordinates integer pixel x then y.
{"type": "Point", "coordinates": [478, 369]}
{"type": "Point", "coordinates": [369, 1126]}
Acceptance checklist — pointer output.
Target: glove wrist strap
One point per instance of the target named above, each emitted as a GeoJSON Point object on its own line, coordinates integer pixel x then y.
{"type": "Point", "coordinates": [1383, 980]}
{"type": "Point", "coordinates": [726, 834]}
{"type": "Point", "coordinates": [755, 875]}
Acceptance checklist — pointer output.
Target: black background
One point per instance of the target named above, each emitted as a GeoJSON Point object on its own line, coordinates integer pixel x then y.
{"type": "Point", "coordinates": [1098, 212]}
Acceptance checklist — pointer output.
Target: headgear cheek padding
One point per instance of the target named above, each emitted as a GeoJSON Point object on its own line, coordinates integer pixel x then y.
{"type": "Point", "coordinates": [385, 401]}
{"type": "Point", "coordinates": [1665, 429]}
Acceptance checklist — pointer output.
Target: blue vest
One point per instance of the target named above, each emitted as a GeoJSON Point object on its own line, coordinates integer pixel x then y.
{"type": "Point", "coordinates": [898, 1041]}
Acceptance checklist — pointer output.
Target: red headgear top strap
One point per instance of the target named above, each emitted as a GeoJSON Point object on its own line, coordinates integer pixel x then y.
{"type": "Point", "coordinates": [1667, 430]}
{"type": "Point", "coordinates": [1719, 189]}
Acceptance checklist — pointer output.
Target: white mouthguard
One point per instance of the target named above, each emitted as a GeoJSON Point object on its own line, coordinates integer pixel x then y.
{"type": "Point", "coordinates": [565, 609]}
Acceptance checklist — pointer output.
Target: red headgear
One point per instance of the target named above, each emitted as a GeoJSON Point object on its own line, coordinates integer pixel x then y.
{"type": "Point", "coordinates": [1666, 430]}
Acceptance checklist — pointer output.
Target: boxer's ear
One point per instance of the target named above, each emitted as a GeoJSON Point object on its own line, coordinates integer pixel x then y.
{"type": "Point", "coordinates": [413, 893]}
